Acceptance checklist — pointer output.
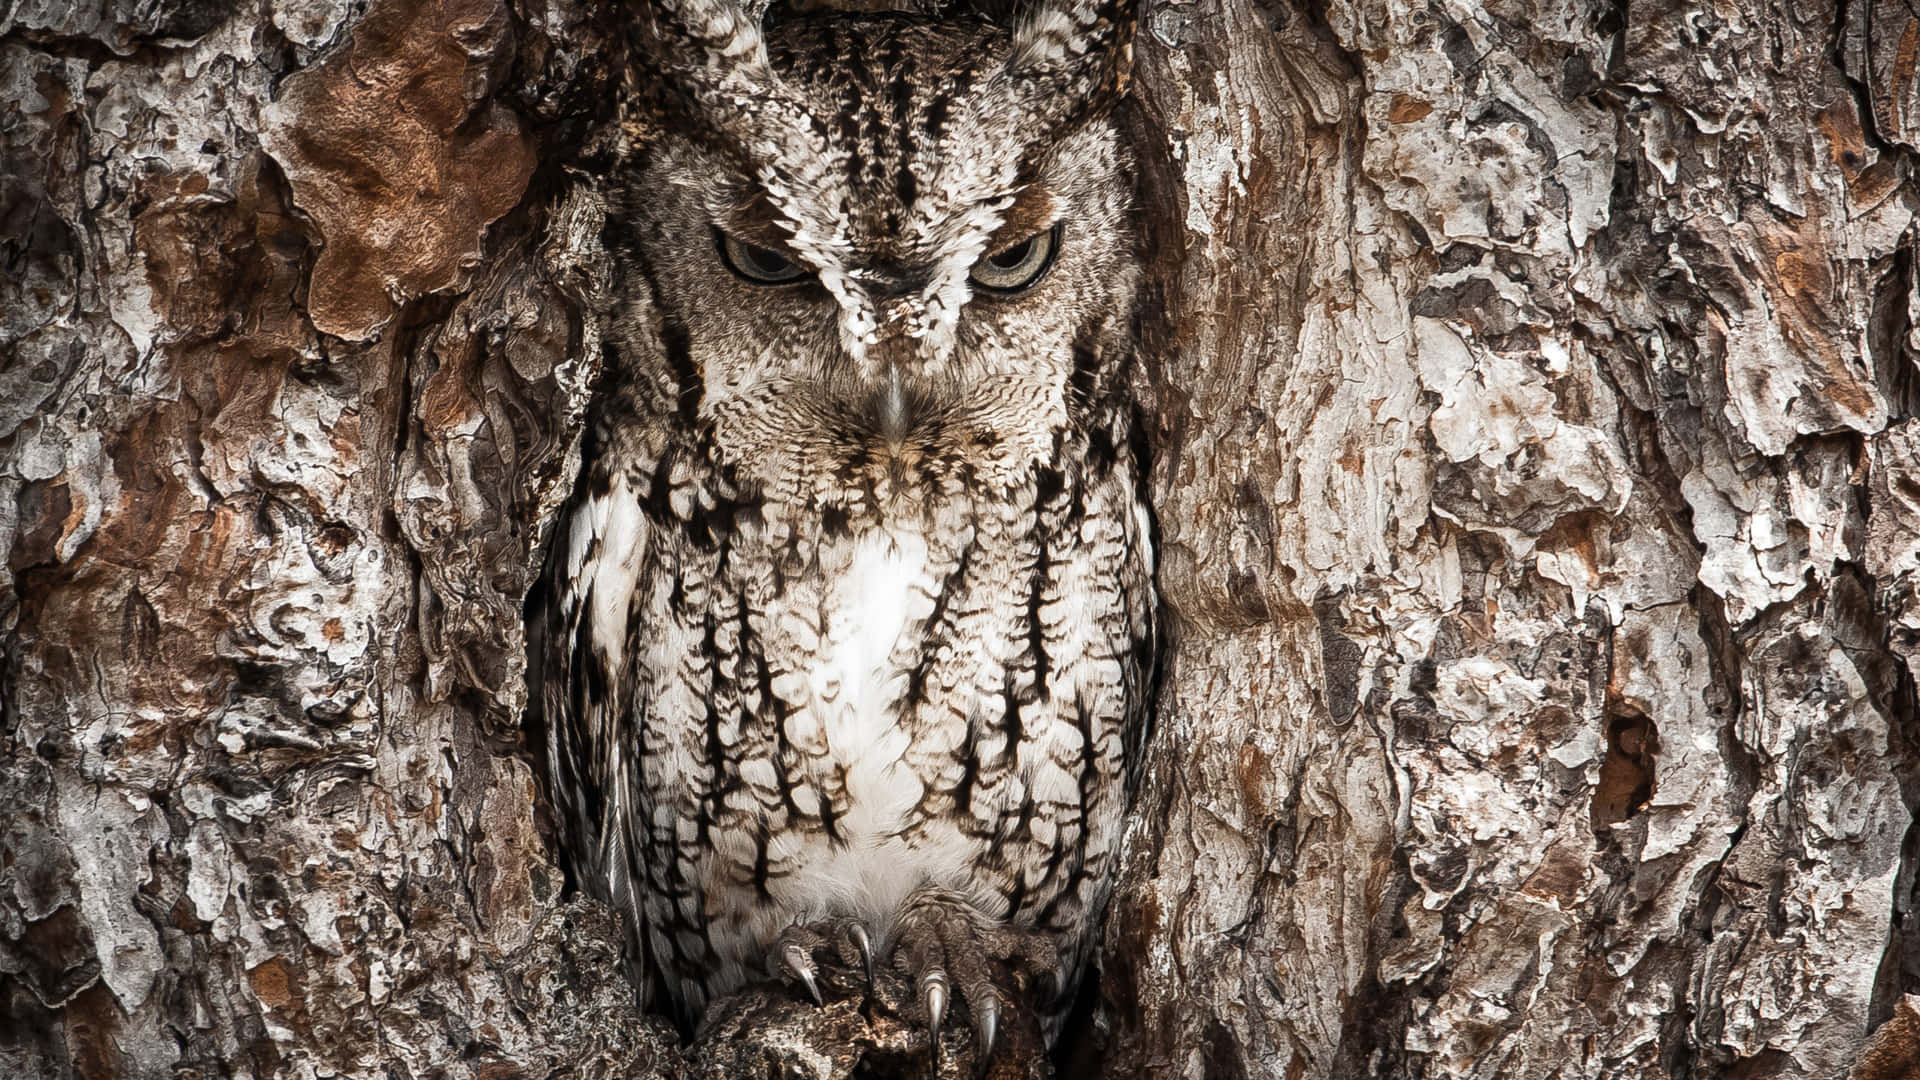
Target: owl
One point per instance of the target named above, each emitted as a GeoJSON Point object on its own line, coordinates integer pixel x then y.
{"type": "Point", "coordinates": [845, 641]}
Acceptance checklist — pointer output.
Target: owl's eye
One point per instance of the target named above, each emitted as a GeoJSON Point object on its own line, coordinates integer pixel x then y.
{"type": "Point", "coordinates": [1020, 267]}
{"type": "Point", "coordinates": [764, 266]}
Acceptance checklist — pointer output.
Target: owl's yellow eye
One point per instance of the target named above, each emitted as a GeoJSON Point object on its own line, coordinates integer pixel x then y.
{"type": "Point", "coordinates": [1020, 267]}
{"type": "Point", "coordinates": [760, 265]}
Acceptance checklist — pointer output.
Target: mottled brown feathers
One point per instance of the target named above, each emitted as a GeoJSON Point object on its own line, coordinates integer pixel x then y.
{"type": "Point", "coordinates": [852, 614]}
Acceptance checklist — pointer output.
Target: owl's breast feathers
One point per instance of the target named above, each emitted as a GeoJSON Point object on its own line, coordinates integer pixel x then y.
{"type": "Point", "coordinates": [791, 710]}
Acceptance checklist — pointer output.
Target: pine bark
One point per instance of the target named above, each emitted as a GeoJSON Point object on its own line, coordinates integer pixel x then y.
{"type": "Point", "coordinates": [1533, 395]}
{"type": "Point", "coordinates": [1537, 493]}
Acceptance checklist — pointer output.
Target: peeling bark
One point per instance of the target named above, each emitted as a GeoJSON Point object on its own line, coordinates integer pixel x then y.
{"type": "Point", "coordinates": [1537, 468]}
{"type": "Point", "coordinates": [267, 526]}
{"type": "Point", "coordinates": [1534, 428]}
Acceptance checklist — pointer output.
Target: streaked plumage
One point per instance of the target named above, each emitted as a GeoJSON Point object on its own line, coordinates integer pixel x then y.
{"type": "Point", "coordinates": [855, 594]}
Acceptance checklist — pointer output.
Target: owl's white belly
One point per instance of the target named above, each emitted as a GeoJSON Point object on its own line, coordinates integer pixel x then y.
{"type": "Point", "coordinates": [878, 598]}
{"type": "Point", "coordinates": [855, 684]}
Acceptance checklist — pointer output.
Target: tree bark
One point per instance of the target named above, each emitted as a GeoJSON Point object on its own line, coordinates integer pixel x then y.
{"type": "Point", "coordinates": [1537, 491]}
{"type": "Point", "coordinates": [293, 371]}
{"type": "Point", "coordinates": [1532, 392]}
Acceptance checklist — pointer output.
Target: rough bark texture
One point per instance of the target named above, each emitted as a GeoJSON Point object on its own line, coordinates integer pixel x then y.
{"type": "Point", "coordinates": [289, 383]}
{"type": "Point", "coordinates": [1538, 473]}
{"type": "Point", "coordinates": [1538, 486]}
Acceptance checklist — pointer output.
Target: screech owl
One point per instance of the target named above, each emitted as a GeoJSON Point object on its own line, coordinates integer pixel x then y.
{"type": "Point", "coordinates": [846, 638]}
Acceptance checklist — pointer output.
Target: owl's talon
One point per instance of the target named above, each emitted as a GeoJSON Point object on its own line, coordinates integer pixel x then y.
{"type": "Point", "coordinates": [864, 943]}
{"type": "Point", "coordinates": [933, 995]}
{"type": "Point", "coordinates": [949, 949]}
{"type": "Point", "coordinates": [986, 1022]}
{"type": "Point", "coordinates": [795, 957]}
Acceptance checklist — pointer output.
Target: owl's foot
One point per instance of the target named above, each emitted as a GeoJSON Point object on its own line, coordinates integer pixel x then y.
{"type": "Point", "coordinates": [797, 951]}
{"type": "Point", "coordinates": [943, 943]}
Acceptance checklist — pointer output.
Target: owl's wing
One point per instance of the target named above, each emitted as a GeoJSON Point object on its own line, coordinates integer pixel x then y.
{"type": "Point", "coordinates": [586, 694]}
{"type": "Point", "coordinates": [1144, 643]}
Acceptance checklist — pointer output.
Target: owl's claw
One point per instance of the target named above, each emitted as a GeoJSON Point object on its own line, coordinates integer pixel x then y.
{"type": "Point", "coordinates": [933, 997]}
{"type": "Point", "coordinates": [864, 943]}
{"type": "Point", "coordinates": [842, 945]}
{"type": "Point", "coordinates": [947, 946]}
{"type": "Point", "coordinates": [942, 948]}
{"type": "Point", "coordinates": [795, 957]}
{"type": "Point", "coordinates": [986, 1021]}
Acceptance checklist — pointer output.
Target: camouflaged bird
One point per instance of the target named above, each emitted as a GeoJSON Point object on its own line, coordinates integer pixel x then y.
{"type": "Point", "coordinates": [845, 639]}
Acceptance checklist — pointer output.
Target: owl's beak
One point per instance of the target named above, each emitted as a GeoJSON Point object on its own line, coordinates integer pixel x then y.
{"type": "Point", "coordinates": [891, 404]}
{"type": "Point", "coordinates": [896, 418]}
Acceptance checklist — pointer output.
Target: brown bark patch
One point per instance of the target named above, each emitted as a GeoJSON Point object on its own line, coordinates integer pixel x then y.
{"type": "Point", "coordinates": [393, 147]}
{"type": "Point", "coordinates": [1405, 110]}
{"type": "Point", "coordinates": [278, 986]}
{"type": "Point", "coordinates": [225, 269]}
{"type": "Point", "coordinates": [1562, 876]}
{"type": "Point", "coordinates": [1626, 776]}
{"type": "Point", "coordinates": [1893, 62]}
{"type": "Point", "coordinates": [1893, 1052]}
{"type": "Point", "coordinates": [1256, 768]}
{"type": "Point", "coordinates": [273, 985]}
{"type": "Point", "coordinates": [1802, 290]}
{"type": "Point", "coordinates": [92, 1023]}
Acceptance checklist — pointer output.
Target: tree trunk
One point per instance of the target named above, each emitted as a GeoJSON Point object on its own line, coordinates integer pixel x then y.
{"type": "Point", "coordinates": [1533, 396]}
{"type": "Point", "coordinates": [1541, 509]}
{"type": "Point", "coordinates": [270, 507]}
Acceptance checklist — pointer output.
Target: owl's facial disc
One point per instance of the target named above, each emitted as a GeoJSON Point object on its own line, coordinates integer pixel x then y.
{"type": "Point", "coordinates": [898, 282]}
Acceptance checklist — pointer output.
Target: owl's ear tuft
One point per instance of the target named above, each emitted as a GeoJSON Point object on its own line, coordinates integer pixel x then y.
{"type": "Point", "coordinates": [704, 68]}
{"type": "Point", "coordinates": [703, 45]}
{"type": "Point", "coordinates": [1072, 58]}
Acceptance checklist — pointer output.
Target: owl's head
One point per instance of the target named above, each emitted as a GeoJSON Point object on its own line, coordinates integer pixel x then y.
{"type": "Point", "coordinates": [886, 246]}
